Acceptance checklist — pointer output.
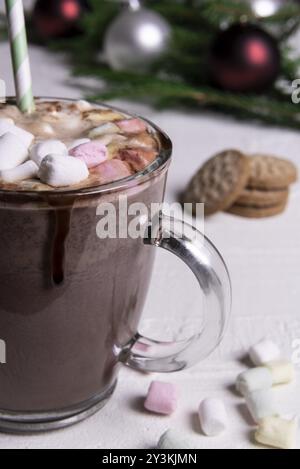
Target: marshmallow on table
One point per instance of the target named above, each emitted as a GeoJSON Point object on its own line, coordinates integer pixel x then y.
{"type": "Point", "coordinates": [261, 404]}
{"type": "Point", "coordinates": [282, 371]}
{"type": "Point", "coordinates": [13, 152]}
{"type": "Point", "coordinates": [172, 439]}
{"type": "Point", "coordinates": [263, 352]}
{"type": "Point", "coordinates": [91, 153]}
{"type": "Point", "coordinates": [277, 432]}
{"type": "Point", "coordinates": [161, 398]}
{"type": "Point", "coordinates": [213, 416]}
{"type": "Point", "coordinates": [131, 126]}
{"type": "Point", "coordinates": [104, 129]}
{"type": "Point", "coordinates": [58, 171]}
{"type": "Point", "coordinates": [253, 380]}
{"type": "Point", "coordinates": [40, 150]}
{"type": "Point", "coordinates": [27, 170]}
{"type": "Point", "coordinates": [79, 141]}
{"type": "Point", "coordinates": [26, 137]}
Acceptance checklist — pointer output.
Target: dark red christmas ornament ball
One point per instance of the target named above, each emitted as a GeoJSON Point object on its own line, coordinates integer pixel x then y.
{"type": "Point", "coordinates": [57, 18]}
{"type": "Point", "coordinates": [244, 58]}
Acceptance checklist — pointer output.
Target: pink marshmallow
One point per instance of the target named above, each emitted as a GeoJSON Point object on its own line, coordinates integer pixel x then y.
{"type": "Point", "coordinates": [137, 158]}
{"type": "Point", "coordinates": [132, 126]}
{"type": "Point", "coordinates": [161, 398]}
{"type": "Point", "coordinates": [112, 170]}
{"type": "Point", "coordinates": [91, 153]}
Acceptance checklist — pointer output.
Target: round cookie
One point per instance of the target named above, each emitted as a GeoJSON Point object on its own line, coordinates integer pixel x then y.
{"type": "Point", "coordinates": [219, 181]}
{"type": "Point", "coordinates": [260, 198]}
{"type": "Point", "coordinates": [271, 173]}
{"type": "Point", "coordinates": [257, 212]}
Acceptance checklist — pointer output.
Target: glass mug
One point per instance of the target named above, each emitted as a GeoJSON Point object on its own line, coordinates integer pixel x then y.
{"type": "Point", "coordinates": [70, 302]}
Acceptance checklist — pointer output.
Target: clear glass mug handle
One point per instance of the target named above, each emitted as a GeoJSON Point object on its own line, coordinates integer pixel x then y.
{"type": "Point", "coordinates": [211, 272]}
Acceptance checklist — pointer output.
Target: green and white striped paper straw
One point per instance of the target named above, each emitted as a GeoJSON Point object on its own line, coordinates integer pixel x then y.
{"type": "Point", "coordinates": [19, 54]}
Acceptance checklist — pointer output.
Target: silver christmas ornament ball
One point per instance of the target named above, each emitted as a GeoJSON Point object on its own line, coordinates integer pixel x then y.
{"type": "Point", "coordinates": [265, 8]}
{"type": "Point", "coordinates": [135, 39]}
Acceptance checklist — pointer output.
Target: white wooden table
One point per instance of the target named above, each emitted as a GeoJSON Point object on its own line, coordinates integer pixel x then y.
{"type": "Point", "coordinates": [263, 259]}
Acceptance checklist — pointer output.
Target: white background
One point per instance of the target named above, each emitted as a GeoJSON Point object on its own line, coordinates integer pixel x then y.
{"type": "Point", "coordinates": [263, 259]}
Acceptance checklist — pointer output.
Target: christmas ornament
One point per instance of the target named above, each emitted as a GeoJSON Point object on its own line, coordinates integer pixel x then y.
{"type": "Point", "coordinates": [136, 38]}
{"type": "Point", "coordinates": [265, 8]}
{"type": "Point", "coordinates": [58, 18]}
{"type": "Point", "coordinates": [244, 58]}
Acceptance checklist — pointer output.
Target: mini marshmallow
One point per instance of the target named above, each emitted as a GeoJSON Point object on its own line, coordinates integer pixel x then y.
{"type": "Point", "coordinates": [27, 170]}
{"type": "Point", "coordinates": [92, 153]}
{"type": "Point", "coordinates": [261, 404]}
{"type": "Point", "coordinates": [26, 137]}
{"type": "Point", "coordinates": [12, 151]}
{"type": "Point", "coordinates": [172, 439]}
{"type": "Point", "coordinates": [161, 398]}
{"type": "Point", "coordinates": [137, 158]}
{"type": "Point", "coordinates": [282, 371]}
{"type": "Point", "coordinates": [104, 129]}
{"type": "Point", "coordinates": [277, 432]}
{"type": "Point", "coordinates": [83, 105]}
{"type": "Point", "coordinates": [112, 170]}
{"type": "Point", "coordinates": [263, 352]}
{"type": "Point", "coordinates": [112, 139]}
{"type": "Point", "coordinates": [132, 126]}
{"type": "Point", "coordinates": [107, 139]}
{"type": "Point", "coordinates": [40, 150]}
{"type": "Point", "coordinates": [79, 141]}
{"type": "Point", "coordinates": [58, 171]}
{"type": "Point", "coordinates": [213, 416]}
{"type": "Point", "coordinates": [253, 380]}
{"type": "Point", "coordinates": [143, 140]}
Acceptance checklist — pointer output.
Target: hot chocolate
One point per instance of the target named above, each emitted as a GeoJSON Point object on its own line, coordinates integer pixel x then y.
{"type": "Point", "coordinates": [69, 300]}
{"type": "Point", "coordinates": [85, 135]}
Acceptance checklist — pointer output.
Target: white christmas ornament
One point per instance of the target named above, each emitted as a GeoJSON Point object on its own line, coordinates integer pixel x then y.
{"type": "Point", "coordinates": [136, 38]}
{"type": "Point", "coordinates": [265, 8]}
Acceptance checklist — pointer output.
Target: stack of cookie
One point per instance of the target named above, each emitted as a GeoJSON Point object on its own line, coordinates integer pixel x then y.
{"type": "Point", "coordinates": [254, 186]}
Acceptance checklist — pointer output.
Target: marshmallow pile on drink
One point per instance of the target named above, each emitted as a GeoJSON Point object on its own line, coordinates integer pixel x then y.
{"type": "Point", "coordinates": [59, 164]}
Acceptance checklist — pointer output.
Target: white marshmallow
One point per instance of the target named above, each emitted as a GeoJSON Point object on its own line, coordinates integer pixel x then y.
{"type": "Point", "coordinates": [12, 151]}
{"type": "Point", "coordinates": [254, 379]}
{"type": "Point", "coordinates": [27, 170]}
{"type": "Point", "coordinates": [282, 371]}
{"type": "Point", "coordinates": [60, 172]}
{"type": "Point", "coordinates": [83, 105]}
{"type": "Point", "coordinates": [172, 439]}
{"type": "Point", "coordinates": [79, 141]}
{"type": "Point", "coordinates": [263, 352]}
{"type": "Point", "coordinates": [40, 150]}
{"type": "Point", "coordinates": [261, 404]}
{"type": "Point", "coordinates": [277, 432]}
{"type": "Point", "coordinates": [213, 416]}
{"type": "Point", "coordinates": [104, 129]}
{"type": "Point", "coordinates": [7, 120]}
{"type": "Point", "coordinates": [26, 137]}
